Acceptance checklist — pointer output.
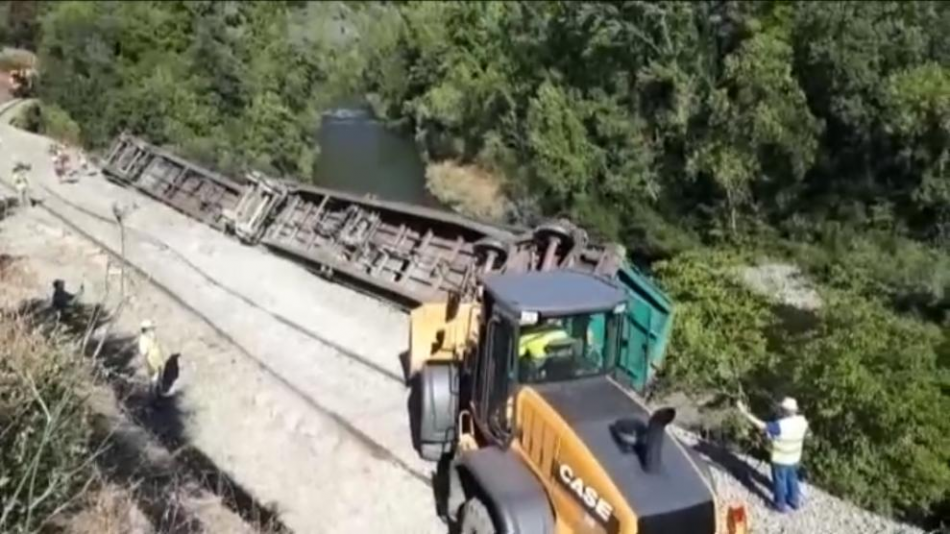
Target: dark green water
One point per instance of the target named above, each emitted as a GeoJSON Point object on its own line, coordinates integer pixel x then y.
{"type": "Point", "coordinates": [360, 155]}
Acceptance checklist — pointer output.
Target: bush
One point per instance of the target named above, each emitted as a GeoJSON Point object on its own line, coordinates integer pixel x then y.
{"type": "Point", "coordinates": [52, 121]}
{"type": "Point", "coordinates": [720, 333]}
{"type": "Point", "coordinates": [872, 382]}
{"type": "Point", "coordinates": [874, 392]}
{"type": "Point", "coordinates": [468, 189]}
{"type": "Point", "coordinates": [909, 275]}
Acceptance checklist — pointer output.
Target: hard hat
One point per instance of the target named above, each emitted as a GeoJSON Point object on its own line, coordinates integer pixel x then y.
{"type": "Point", "coordinates": [148, 324]}
{"type": "Point", "coordinates": [789, 405]}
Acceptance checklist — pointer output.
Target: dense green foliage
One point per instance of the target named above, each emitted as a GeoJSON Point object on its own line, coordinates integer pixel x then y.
{"type": "Point", "coordinates": [815, 132]}
{"type": "Point", "coordinates": [719, 114]}
{"type": "Point", "coordinates": [232, 84]}
{"type": "Point", "coordinates": [874, 388]}
{"type": "Point", "coordinates": [52, 121]}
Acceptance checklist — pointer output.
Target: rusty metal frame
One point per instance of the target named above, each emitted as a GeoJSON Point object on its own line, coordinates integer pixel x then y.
{"type": "Point", "coordinates": [414, 253]}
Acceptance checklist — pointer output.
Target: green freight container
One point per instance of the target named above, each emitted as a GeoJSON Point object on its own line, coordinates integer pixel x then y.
{"type": "Point", "coordinates": [646, 331]}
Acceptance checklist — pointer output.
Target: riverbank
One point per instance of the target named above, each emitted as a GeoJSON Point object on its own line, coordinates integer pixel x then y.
{"type": "Point", "coordinates": [468, 189]}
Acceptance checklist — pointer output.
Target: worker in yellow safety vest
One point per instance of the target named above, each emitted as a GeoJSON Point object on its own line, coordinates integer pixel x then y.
{"type": "Point", "coordinates": [151, 351]}
{"type": "Point", "coordinates": [787, 437]}
{"type": "Point", "coordinates": [22, 183]}
{"type": "Point", "coordinates": [534, 342]}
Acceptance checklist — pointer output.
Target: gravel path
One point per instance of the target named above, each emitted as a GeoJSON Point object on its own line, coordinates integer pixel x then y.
{"type": "Point", "coordinates": [738, 477]}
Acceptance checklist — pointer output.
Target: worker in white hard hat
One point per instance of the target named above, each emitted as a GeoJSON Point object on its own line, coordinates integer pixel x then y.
{"type": "Point", "coordinates": [21, 183]}
{"type": "Point", "coordinates": [787, 436]}
{"type": "Point", "coordinates": [150, 349]}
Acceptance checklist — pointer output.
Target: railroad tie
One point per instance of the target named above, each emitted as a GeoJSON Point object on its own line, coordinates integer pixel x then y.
{"type": "Point", "coordinates": [415, 255]}
{"type": "Point", "coordinates": [300, 223]}
{"type": "Point", "coordinates": [441, 267]}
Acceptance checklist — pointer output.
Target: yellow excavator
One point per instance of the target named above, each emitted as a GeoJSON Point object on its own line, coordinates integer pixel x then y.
{"type": "Point", "coordinates": [533, 432]}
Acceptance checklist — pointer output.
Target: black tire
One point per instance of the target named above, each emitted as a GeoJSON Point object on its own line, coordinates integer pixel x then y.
{"type": "Point", "coordinates": [436, 409]}
{"type": "Point", "coordinates": [476, 519]}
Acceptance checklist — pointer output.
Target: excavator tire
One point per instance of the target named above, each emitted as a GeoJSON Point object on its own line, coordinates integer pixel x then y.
{"type": "Point", "coordinates": [438, 409]}
{"type": "Point", "coordinates": [476, 519]}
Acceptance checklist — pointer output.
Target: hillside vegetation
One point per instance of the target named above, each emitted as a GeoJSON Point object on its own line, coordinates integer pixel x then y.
{"type": "Point", "coordinates": [703, 136]}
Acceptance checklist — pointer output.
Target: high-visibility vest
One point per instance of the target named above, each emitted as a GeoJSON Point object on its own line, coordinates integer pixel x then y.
{"type": "Point", "coordinates": [787, 445]}
{"type": "Point", "coordinates": [533, 344]}
{"type": "Point", "coordinates": [152, 351]}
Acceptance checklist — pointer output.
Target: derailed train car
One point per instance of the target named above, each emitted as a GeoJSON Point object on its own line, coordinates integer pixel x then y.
{"type": "Point", "coordinates": [414, 253]}
{"type": "Point", "coordinates": [405, 253]}
{"type": "Point", "coordinates": [195, 191]}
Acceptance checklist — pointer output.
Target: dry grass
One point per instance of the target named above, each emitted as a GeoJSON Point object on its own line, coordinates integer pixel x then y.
{"type": "Point", "coordinates": [110, 510]}
{"type": "Point", "coordinates": [467, 189]}
{"type": "Point", "coordinates": [46, 445]}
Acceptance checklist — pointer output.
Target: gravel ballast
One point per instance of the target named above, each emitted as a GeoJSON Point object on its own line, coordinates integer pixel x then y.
{"type": "Point", "coordinates": [738, 477]}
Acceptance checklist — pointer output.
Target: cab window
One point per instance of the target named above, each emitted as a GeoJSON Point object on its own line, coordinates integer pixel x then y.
{"type": "Point", "coordinates": [564, 348]}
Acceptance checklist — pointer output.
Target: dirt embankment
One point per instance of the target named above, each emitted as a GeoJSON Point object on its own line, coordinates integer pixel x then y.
{"type": "Point", "coordinates": [468, 189]}
{"type": "Point", "coordinates": [100, 461]}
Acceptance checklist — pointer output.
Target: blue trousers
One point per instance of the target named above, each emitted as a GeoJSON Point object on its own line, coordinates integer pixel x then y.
{"type": "Point", "coordinates": [785, 486]}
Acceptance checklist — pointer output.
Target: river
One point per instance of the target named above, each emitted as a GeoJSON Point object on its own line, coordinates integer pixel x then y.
{"type": "Point", "coordinates": [360, 155]}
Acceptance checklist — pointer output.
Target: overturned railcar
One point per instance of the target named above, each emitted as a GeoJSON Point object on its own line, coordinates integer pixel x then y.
{"type": "Point", "coordinates": [400, 250]}
{"type": "Point", "coordinates": [405, 253]}
{"type": "Point", "coordinates": [195, 191]}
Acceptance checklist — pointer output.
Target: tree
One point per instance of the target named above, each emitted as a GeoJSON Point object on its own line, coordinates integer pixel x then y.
{"type": "Point", "coordinates": [917, 116]}
{"type": "Point", "coordinates": [761, 136]}
{"type": "Point", "coordinates": [20, 22]}
{"type": "Point", "coordinates": [564, 158]}
{"type": "Point", "coordinates": [720, 337]}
